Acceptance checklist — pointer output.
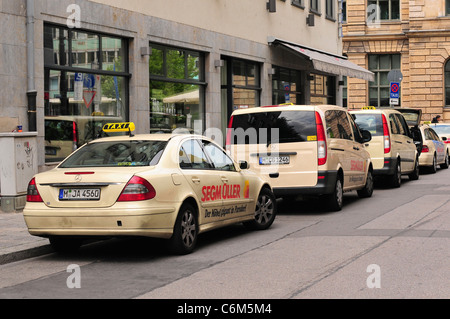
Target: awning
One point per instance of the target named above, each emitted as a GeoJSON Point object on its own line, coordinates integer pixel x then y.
{"type": "Point", "coordinates": [326, 62]}
{"type": "Point", "coordinates": [186, 97]}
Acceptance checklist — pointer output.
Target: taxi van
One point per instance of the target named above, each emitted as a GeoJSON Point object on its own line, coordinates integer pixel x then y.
{"type": "Point", "coordinates": [153, 185]}
{"type": "Point", "coordinates": [303, 150]}
{"type": "Point", "coordinates": [394, 148]}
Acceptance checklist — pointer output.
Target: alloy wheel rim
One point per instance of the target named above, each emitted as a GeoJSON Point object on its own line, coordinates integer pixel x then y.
{"type": "Point", "coordinates": [188, 228]}
{"type": "Point", "coordinates": [264, 209]}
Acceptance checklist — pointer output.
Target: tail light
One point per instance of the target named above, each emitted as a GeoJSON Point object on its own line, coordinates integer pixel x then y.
{"type": "Point", "coordinates": [321, 141]}
{"type": "Point", "coordinates": [74, 135]}
{"type": "Point", "coordinates": [33, 193]}
{"type": "Point", "coordinates": [229, 134]}
{"type": "Point", "coordinates": [386, 136]}
{"type": "Point", "coordinates": [137, 189]}
{"type": "Point", "coordinates": [425, 149]}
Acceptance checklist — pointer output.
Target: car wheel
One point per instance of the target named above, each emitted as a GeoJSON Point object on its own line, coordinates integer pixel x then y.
{"type": "Point", "coordinates": [396, 178]}
{"type": "Point", "coordinates": [446, 162]}
{"type": "Point", "coordinates": [335, 200]}
{"type": "Point", "coordinates": [62, 244]}
{"type": "Point", "coordinates": [433, 168]}
{"type": "Point", "coordinates": [185, 231]}
{"type": "Point", "coordinates": [265, 211]}
{"type": "Point", "coordinates": [415, 174]}
{"type": "Point", "coordinates": [367, 191]}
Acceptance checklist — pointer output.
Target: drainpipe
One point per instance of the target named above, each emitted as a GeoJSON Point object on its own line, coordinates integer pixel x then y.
{"type": "Point", "coordinates": [31, 89]}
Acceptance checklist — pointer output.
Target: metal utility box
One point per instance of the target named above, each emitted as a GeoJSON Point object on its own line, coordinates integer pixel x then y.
{"type": "Point", "coordinates": [18, 165]}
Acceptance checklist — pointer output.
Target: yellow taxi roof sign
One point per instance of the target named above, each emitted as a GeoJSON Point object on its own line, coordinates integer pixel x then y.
{"type": "Point", "coordinates": [369, 108]}
{"type": "Point", "coordinates": [119, 127]}
{"type": "Point", "coordinates": [284, 104]}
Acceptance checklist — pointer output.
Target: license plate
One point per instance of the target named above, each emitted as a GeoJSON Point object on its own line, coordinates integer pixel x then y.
{"type": "Point", "coordinates": [274, 160]}
{"type": "Point", "coordinates": [79, 194]}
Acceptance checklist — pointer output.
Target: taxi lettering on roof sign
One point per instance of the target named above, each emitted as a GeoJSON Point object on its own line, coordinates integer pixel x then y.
{"type": "Point", "coordinates": [119, 127]}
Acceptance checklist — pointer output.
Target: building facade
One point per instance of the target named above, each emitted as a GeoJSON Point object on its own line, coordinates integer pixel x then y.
{"type": "Point", "coordinates": [412, 37]}
{"type": "Point", "coordinates": [68, 67]}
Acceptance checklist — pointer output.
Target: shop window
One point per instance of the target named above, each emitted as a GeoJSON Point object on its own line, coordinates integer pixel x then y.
{"type": "Point", "coordinates": [286, 86]}
{"type": "Point", "coordinates": [323, 89]}
{"type": "Point", "coordinates": [82, 92]}
{"type": "Point", "coordinates": [176, 90]}
{"type": "Point", "coordinates": [380, 65]}
{"type": "Point", "coordinates": [240, 86]}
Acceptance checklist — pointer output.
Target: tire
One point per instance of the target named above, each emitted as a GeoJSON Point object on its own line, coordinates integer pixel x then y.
{"type": "Point", "coordinates": [335, 200]}
{"type": "Point", "coordinates": [395, 180]}
{"type": "Point", "coordinates": [433, 168]}
{"type": "Point", "coordinates": [62, 244]}
{"type": "Point", "coordinates": [414, 176]}
{"type": "Point", "coordinates": [185, 231]}
{"type": "Point", "coordinates": [265, 211]}
{"type": "Point", "coordinates": [367, 191]}
{"type": "Point", "coordinates": [446, 162]}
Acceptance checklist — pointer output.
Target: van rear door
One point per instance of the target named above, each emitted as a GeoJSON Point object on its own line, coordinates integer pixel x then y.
{"type": "Point", "coordinates": [279, 144]}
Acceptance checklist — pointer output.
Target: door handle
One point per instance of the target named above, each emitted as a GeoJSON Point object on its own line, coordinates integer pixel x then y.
{"type": "Point", "coordinates": [356, 148]}
{"type": "Point", "coordinates": [196, 180]}
{"type": "Point", "coordinates": [224, 179]}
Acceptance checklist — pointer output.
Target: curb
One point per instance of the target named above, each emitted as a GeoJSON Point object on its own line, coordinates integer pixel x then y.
{"type": "Point", "coordinates": [25, 251]}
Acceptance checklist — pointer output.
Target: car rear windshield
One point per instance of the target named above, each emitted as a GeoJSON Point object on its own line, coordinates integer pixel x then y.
{"type": "Point", "coordinates": [112, 154]}
{"type": "Point", "coordinates": [267, 127]}
{"type": "Point", "coordinates": [370, 122]}
{"type": "Point", "coordinates": [441, 129]}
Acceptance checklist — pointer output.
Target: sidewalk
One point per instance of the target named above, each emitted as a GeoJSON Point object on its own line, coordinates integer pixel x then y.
{"type": "Point", "coordinates": [15, 241]}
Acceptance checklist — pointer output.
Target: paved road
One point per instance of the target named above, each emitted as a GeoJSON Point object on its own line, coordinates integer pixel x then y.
{"type": "Point", "coordinates": [393, 245]}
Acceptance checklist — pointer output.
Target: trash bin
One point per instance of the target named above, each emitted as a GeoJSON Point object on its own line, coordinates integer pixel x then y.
{"type": "Point", "coordinates": [18, 165]}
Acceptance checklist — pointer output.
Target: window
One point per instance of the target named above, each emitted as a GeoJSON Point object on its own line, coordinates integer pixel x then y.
{"type": "Point", "coordinates": [218, 157]}
{"type": "Point", "coordinates": [329, 9]}
{"type": "Point", "coordinates": [380, 65]}
{"type": "Point", "coordinates": [338, 125]}
{"type": "Point", "coordinates": [82, 85]}
{"type": "Point", "coordinates": [314, 6]}
{"type": "Point", "coordinates": [286, 86]}
{"type": "Point", "coordinates": [192, 156]}
{"type": "Point", "coordinates": [176, 89]}
{"type": "Point", "coordinates": [240, 86]}
{"type": "Point", "coordinates": [343, 10]}
{"type": "Point", "coordinates": [345, 92]}
{"type": "Point", "coordinates": [447, 7]}
{"type": "Point", "coordinates": [323, 89]}
{"type": "Point", "coordinates": [384, 9]}
{"type": "Point", "coordinates": [447, 83]}
{"type": "Point", "coordinates": [298, 3]}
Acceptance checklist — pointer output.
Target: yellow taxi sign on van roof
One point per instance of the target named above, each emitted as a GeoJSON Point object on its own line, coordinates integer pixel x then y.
{"type": "Point", "coordinates": [369, 108]}
{"type": "Point", "coordinates": [119, 127]}
{"type": "Point", "coordinates": [284, 104]}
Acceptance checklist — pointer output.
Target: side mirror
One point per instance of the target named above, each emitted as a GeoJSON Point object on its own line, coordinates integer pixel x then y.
{"type": "Point", "coordinates": [366, 136]}
{"type": "Point", "coordinates": [243, 165]}
{"type": "Point", "coordinates": [444, 138]}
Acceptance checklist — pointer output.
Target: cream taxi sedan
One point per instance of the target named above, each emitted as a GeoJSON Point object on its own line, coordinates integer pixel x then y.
{"type": "Point", "coordinates": [434, 151]}
{"type": "Point", "coordinates": [157, 185]}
